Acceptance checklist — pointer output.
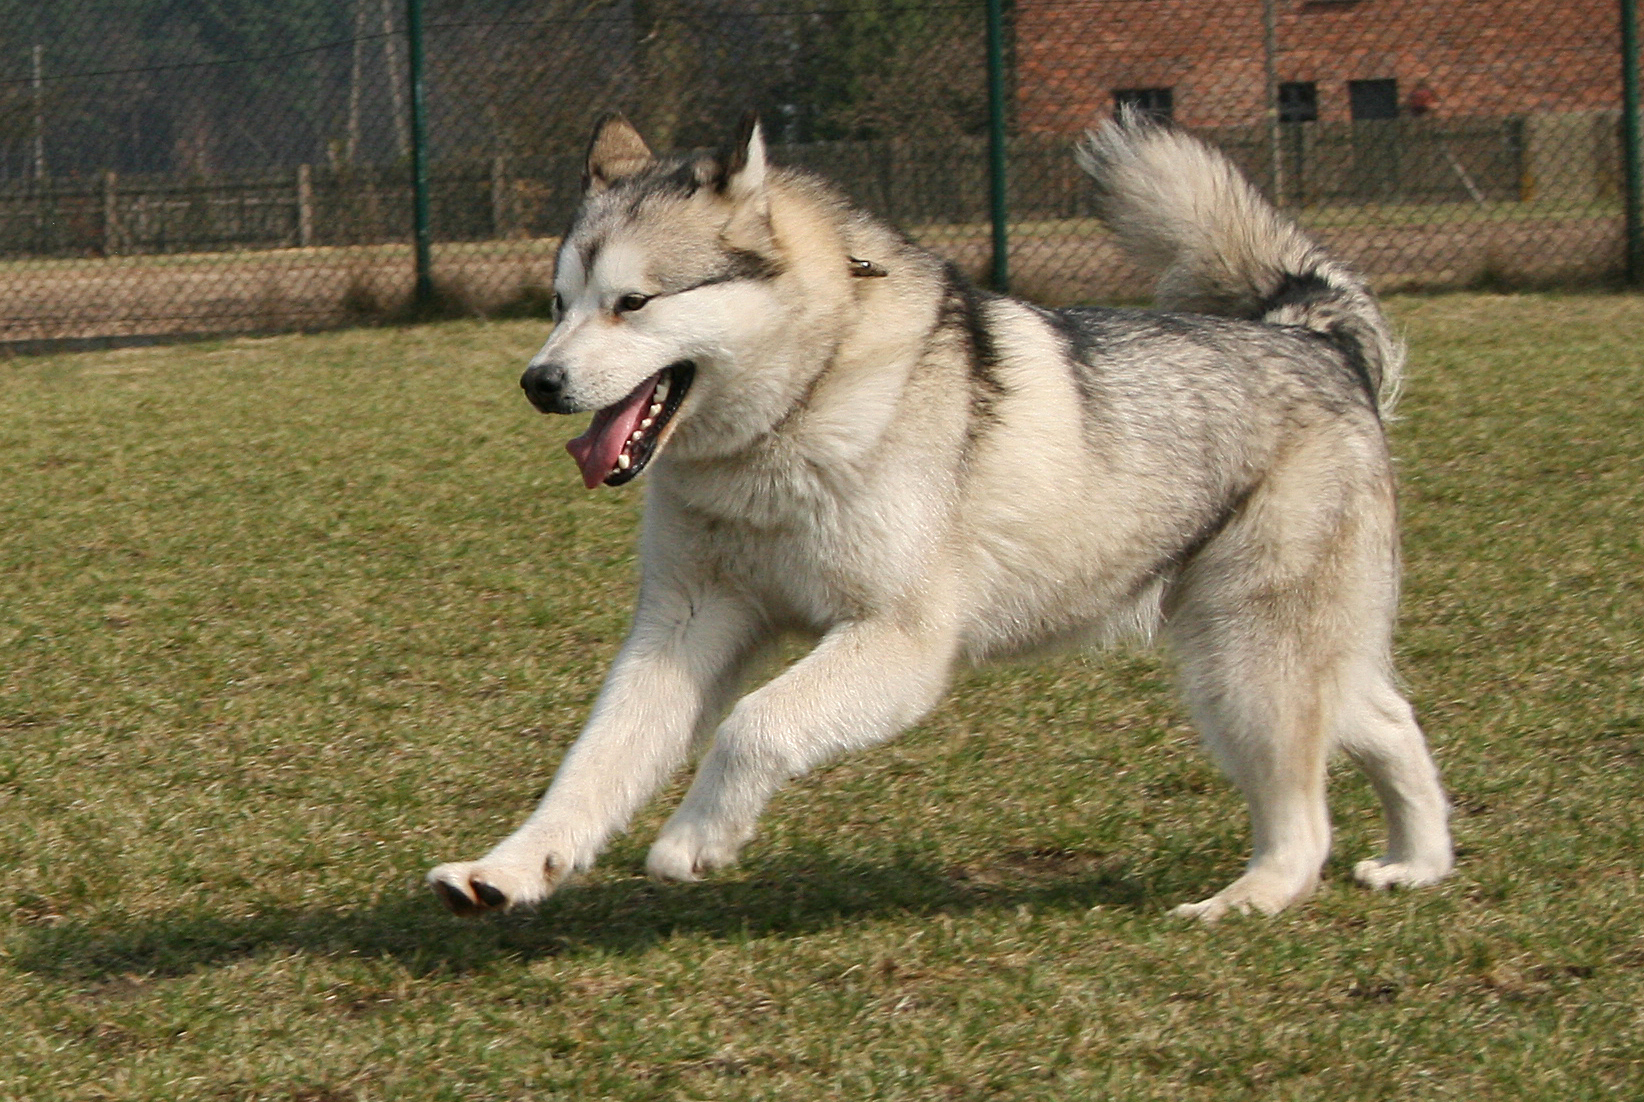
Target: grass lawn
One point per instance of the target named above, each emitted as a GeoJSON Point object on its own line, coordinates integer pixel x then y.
{"type": "Point", "coordinates": [285, 621]}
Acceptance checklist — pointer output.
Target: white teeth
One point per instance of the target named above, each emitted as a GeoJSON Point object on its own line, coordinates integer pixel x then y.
{"type": "Point", "coordinates": [656, 408]}
{"type": "Point", "coordinates": [623, 462]}
{"type": "Point", "coordinates": [647, 423]}
{"type": "Point", "coordinates": [661, 394]}
{"type": "Point", "coordinates": [634, 439]}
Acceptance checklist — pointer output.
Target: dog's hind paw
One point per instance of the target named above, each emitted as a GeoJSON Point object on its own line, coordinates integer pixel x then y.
{"type": "Point", "coordinates": [474, 887]}
{"type": "Point", "coordinates": [1382, 873]}
{"type": "Point", "coordinates": [1207, 911]}
{"type": "Point", "coordinates": [1261, 892]}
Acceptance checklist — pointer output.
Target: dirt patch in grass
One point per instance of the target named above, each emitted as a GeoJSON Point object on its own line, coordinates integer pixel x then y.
{"type": "Point", "coordinates": [1056, 263]}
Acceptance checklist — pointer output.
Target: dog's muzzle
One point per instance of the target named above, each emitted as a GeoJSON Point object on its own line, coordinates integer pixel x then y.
{"type": "Point", "coordinates": [544, 385]}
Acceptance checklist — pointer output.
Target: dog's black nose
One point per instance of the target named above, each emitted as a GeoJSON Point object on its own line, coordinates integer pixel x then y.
{"type": "Point", "coordinates": [544, 384]}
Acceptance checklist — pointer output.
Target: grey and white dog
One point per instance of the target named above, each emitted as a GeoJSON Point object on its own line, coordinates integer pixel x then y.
{"type": "Point", "coordinates": [847, 440]}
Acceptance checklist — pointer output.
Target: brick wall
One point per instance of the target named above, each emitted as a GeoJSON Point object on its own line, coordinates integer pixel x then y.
{"type": "Point", "coordinates": [1477, 57]}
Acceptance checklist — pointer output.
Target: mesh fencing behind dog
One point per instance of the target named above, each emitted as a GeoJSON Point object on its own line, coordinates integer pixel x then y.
{"type": "Point", "coordinates": [182, 167]}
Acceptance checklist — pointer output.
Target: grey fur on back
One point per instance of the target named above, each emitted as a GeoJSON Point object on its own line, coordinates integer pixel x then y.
{"type": "Point", "coordinates": [1181, 208]}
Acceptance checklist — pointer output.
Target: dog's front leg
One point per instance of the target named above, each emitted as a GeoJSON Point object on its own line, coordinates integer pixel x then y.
{"type": "Point", "coordinates": [862, 684]}
{"type": "Point", "coordinates": [682, 660]}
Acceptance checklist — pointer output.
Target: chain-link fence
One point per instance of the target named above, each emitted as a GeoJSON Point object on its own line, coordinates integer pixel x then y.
{"type": "Point", "coordinates": [176, 166]}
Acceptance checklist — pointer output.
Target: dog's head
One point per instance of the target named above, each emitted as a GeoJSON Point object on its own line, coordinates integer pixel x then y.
{"type": "Point", "coordinates": [663, 279]}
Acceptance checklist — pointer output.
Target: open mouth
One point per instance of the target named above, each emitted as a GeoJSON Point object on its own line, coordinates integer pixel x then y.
{"type": "Point", "coordinates": [622, 438]}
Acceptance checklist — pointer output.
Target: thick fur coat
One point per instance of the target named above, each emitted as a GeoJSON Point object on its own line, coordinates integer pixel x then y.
{"type": "Point", "coordinates": [845, 439]}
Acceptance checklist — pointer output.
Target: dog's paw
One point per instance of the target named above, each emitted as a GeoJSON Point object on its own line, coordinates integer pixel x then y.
{"type": "Point", "coordinates": [1208, 911]}
{"type": "Point", "coordinates": [1260, 892]}
{"type": "Point", "coordinates": [1381, 873]}
{"type": "Point", "coordinates": [473, 887]}
{"type": "Point", "coordinates": [685, 855]}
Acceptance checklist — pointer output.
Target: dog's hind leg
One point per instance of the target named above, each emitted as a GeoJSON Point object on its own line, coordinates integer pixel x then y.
{"type": "Point", "coordinates": [864, 683]}
{"type": "Point", "coordinates": [1378, 730]}
{"type": "Point", "coordinates": [1265, 622]}
{"type": "Point", "coordinates": [1263, 719]}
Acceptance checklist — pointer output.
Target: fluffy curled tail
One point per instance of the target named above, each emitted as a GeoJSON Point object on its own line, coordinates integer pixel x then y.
{"type": "Point", "coordinates": [1181, 208]}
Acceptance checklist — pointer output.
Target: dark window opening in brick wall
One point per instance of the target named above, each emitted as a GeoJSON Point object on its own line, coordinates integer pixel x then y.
{"type": "Point", "coordinates": [1159, 103]}
{"type": "Point", "coordinates": [1373, 99]}
{"type": "Point", "coordinates": [1298, 101]}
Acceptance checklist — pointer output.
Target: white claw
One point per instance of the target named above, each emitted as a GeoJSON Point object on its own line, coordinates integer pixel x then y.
{"type": "Point", "coordinates": [623, 462]}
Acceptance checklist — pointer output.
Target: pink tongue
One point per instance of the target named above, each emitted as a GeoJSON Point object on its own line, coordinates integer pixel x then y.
{"type": "Point", "coordinates": [596, 450]}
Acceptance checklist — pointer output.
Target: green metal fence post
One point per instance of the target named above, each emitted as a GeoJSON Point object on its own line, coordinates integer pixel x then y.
{"type": "Point", "coordinates": [423, 296]}
{"type": "Point", "coordinates": [1632, 145]}
{"type": "Point", "coordinates": [1270, 50]}
{"type": "Point", "coordinates": [997, 198]}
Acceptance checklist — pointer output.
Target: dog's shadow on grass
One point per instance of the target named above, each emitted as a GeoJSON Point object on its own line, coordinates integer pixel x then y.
{"type": "Point", "coordinates": [624, 916]}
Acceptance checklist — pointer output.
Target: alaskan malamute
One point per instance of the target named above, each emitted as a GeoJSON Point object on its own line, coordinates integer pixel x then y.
{"type": "Point", "coordinates": [848, 440]}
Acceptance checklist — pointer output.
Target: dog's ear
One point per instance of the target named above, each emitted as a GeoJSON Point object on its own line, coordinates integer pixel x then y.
{"type": "Point", "coordinates": [742, 173]}
{"type": "Point", "coordinates": [742, 169]}
{"type": "Point", "coordinates": [616, 150]}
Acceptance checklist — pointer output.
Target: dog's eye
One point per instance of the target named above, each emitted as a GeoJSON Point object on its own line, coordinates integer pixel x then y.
{"type": "Point", "coordinates": [630, 302]}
